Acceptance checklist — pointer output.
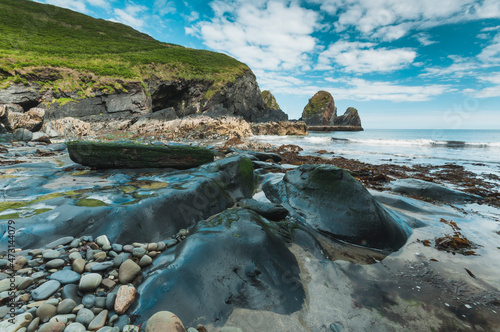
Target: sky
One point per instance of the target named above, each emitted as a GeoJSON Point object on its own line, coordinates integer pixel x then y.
{"type": "Point", "coordinates": [402, 63]}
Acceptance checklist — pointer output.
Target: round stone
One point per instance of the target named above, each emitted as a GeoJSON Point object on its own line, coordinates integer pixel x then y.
{"type": "Point", "coordinates": [124, 298]}
{"type": "Point", "coordinates": [46, 311]}
{"type": "Point", "coordinates": [145, 261]}
{"type": "Point", "coordinates": [45, 290]}
{"type": "Point", "coordinates": [98, 321]}
{"type": "Point", "coordinates": [102, 240]}
{"type": "Point", "coordinates": [66, 306]}
{"type": "Point", "coordinates": [128, 248]}
{"type": "Point", "coordinates": [100, 256]}
{"type": "Point", "coordinates": [110, 300]}
{"type": "Point", "coordinates": [70, 291]}
{"type": "Point", "coordinates": [100, 302]}
{"type": "Point", "coordinates": [138, 252]}
{"type": "Point", "coordinates": [51, 254]}
{"type": "Point", "coordinates": [52, 327]}
{"type": "Point", "coordinates": [78, 265]}
{"type": "Point", "coordinates": [152, 246]}
{"type": "Point", "coordinates": [75, 327]}
{"type": "Point", "coordinates": [160, 245]}
{"type": "Point", "coordinates": [54, 264]}
{"type": "Point", "coordinates": [90, 281]}
{"type": "Point", "coordinates": [84, 316]}
{"type": "Point", "coordinates": [128, 271]}
{"type": "Point", "coordinates": [33, 325]}
{"type": "Point", "coordinates": [164, 321]}
{"type": "Point", "coordinates": [117, 247]}
{"type": "Point", "coordinates": [75, 255]}
{"type": "Point", "coordinates": [102, 266]}
{"type": "Point", "coordinates": [88, 300]}
{"type": "Point", "coordinates": [65, 276]}
{"type": "Point", "coordinates": [25, 283]}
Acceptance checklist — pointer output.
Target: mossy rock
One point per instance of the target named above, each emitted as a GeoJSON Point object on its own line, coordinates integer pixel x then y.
{"type": "Point", "coordinates": [269, 100]}
{"type": "Point", "coordinates": [91, 202]}
{"type": "Point", "coordinates": [320, 110]}
{"type": "Point", "coordinates": [132, 155]}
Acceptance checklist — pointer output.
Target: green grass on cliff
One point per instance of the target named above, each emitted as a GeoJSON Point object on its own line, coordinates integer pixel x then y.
{"type": "Point", "coordinates": [317, 103]}
{"type": "Point", "coordinates": [269, 100]}
{"type": "Point", "coordinates": [34, 36]}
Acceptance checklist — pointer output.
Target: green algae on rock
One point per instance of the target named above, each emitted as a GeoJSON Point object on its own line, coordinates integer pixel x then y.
{"type": "Point", "coordinates": [133, 155]}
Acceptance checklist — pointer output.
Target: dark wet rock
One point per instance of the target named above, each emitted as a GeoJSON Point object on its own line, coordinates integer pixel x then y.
{"type": "Point", "coordinates": [46, 290]}
{"type": "Point", "coordinates": [66, 306]}
{"type": "Point", "coordinates": [70, 291]}
{"type": "Point", "coordinates": [88, 300]}
{"type": "Point", "coordinates": [26, 96]}
{"type": "Point", "coordinates": [66, 276]}
{"type": "Point", "coordinates": [101, 266]}
{"type": "Point", "coordinates": [231, 260]}
{"type": "Point", "coordinates": [203, 192]}
{"type": "Point", "coordinates": [262, 156]}
{"type": "Point", "coordinates": [266, 166]}
{"type": "Point", "coordinates": [130, 155]}
{"type": "Point", "coordinates": [269, 211]}
{"type": "Point", "coordinates": [59, 242]}
{"type": "Point", "coordinates": [425, 189]}
{"type": "Point", "coordinates": [331, 201]}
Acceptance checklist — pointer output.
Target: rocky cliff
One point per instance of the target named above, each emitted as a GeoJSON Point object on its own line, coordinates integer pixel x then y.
{"type": "Point", "coordinates": [350, 118]}
{"type": "Point", "coordinates": [99, 71]}
{"type": "Point", "coordinates": [320, 109]}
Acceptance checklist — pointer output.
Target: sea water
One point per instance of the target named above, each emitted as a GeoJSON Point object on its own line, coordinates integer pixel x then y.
{"type": "Point", "coordinates": [476, 150]}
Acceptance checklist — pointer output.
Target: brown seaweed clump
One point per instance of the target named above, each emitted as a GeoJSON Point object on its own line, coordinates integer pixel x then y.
{"type": "Point", "coordinates": [455, 243]}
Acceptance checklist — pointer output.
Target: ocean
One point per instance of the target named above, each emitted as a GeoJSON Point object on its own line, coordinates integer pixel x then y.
{"type": "Point", "coordinates": [476, 150]}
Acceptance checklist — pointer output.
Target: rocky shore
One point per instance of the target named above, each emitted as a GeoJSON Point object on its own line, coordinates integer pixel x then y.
{"type": "Point", "coordinates": [249, 242]}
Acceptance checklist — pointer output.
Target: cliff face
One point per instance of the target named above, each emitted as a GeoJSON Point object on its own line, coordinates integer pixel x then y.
{"type": "Point", "coordinates": [350, 118]}
{"type": "Point", "coordinates": [187, 97]}
{"type": "Point", "coordinates": [320, 110]}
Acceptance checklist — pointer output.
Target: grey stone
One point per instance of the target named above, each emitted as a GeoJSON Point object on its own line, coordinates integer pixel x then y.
{"type": "Point", "coordinates": [24, 135]}
{"type": "Point", "coordinates": [75, 255]}
{"type": "Point", "coordinates": [59, 242]}
{"type": "Point", "coordinates": [46, 312]}
{"type": "Point", "coordinates": [117, 247]}
{"type": "Point", "coordinates": [102, 240]}
{"type": "Point", "coordinates": [75, 327]}
{"type": "Point", "coordinates": [55, 263]}
{"type": "Point", "coordinates": [84, 316]}
{"type": "Point", "coordinates": [98, 321]}
{"type": "Point", "coordinates": [90, 281]}
{"type": "Point", "coordinates": [138, 252]}
{"type": "Point", "coordinates": [51, 254]}
{"type": "Point", "coordinates": [66, 306]}
{"type": "Point", "coordinates": [70, 291]}
{"type": "Point", "coordinates": [88, 300]}
{"type": "Point", "coordinates": [145, 261]}
{"type": "Point", "coordinates": [33, 325]}
{"type": "Point", "coordinates": [65, 318]}
{"type": "Point", "coordinates": [25, 283]}
{"type": "Point", "coordinates": [110, 300]}
{"type": "Point", "coordinates": [108, 329]}
{"type": "Point", "coordinates": [431, 190]}
{"type": "Point", "coordinates": [102, 266]}
{"type": "Point", "coordinates": [65, 276]}
{"type": "Point", "coordinates": [75, 243]}
{"type": "Point", "coordinates": [45, 290]}
{"type": "Point", "coordinates": [128, 271]}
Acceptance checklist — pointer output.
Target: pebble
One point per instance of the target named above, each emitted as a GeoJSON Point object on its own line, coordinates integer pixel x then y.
{"type": "Point", "coordinates": [55, 263]}
{"type": "Point", "coordinates": [66, 306]}
{"type": "Point", "coordinates": [108, 283]}
{"type": "Point", "coordinates": [117, 247]}
{"type": "Point", "coordinates": [108, 329]}
{"type": "Point", "coordinates": [132, 328]}
{"type": "Point", "coordinates": [52, 327]}
{"type": "Point", "coordinates": [84, 316]}
{"type": "Point", "coordinates": [65, 276]}
{"type": "Point", "coordinates": [128, 248]}
{"type": "Point", "coordinates": [145, 261]}
{"type": "Point", "coordinates": [128, 271]}
{"type": "Point", "coordinates": [161, 245]}
{"type": "Point", "coordinates": [19, 263]}
{"type": "Point", "coordinates": [230, 329]}
{"type": "Point", "coordinates": [164, 321]}
{"type": "Point", "coordinates": [63, 318]}
{"type": "Point", "coordinates": [25, 283]}
{"type": "Point", "coordinates": [70, 291]}
{"type": "Point", "coordinates": [75, 327]}
{"type": "Point", "coordinates": [45, 290]}
{"type": "Point", "coordinates": [46, 311]}
{"type": "Point", "coordinates": [170, 243]}
{"type": "Point", "coordinates": [53, 301]}
{"type": "Point", "coordinates": [98, 321]}
{"type": "Point", "coordinates": [100, 302]}
{"type": "Point", "coordinates": [110, 300]}
{"type": "Point", "coordinates": [138, 252]}
{"type": "Point", "coordinates": [75, 243]}
{"type": "Point", "coordinates": [51, 254]}
{"type": "Point", "coordinates": [124, 298]}
{"type": "Point", "coordinates": [113, 319]}
{"type": "Point", "coordinates": [102, 266]}
{"type": "Point", "coordinates": [90, 281]}
{"type": "Point", "coordinates": [78, 265]}
{"type": "Point", "coordinates": [90, 254]}
{"type": "Point", "coordinates": [151, 246]}
{"type": "Point", "coordinates": [88, 301]}
{"type": "Point", "coordinates": [75, 255]}
{"type": "Point", "coordinates": [100, 256]}
{"type": "Point", "coordinates": [102, 240]}
{"type": "Point", "coordinates": [33, 325]}
{"type": "Point", "coordinates": [38, 275]}
{"type": "Point", "coordinates": [21, 321]}
{"type": "Point", "coordinates": [60, 242]}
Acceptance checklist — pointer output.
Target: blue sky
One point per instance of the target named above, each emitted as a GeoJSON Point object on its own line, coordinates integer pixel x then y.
{"type": "Point", "coordinates": [401, 63]}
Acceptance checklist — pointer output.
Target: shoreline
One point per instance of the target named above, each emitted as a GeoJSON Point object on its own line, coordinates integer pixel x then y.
{"type": "Point", "coordinates": [329, 280]}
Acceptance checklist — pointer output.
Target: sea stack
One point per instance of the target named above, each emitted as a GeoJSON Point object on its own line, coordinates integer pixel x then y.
{"type": "Point", "coordinates": [320, 110]}
{"type": "Point", "coordinates": [350, 118]}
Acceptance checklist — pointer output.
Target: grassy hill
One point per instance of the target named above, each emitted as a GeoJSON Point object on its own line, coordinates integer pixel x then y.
{"type": "Point", "coordinates": [35, 36]}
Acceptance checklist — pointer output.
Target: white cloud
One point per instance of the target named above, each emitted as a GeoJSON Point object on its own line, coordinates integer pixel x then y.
{"type": "Point", "coordinates": [364, 57]}
{"type": "Point", "coordinates": [100, 3]}
{"type": "Point", "coordinates": [459, 68]}
{"type": "Point", "coordinates": [491, 53]}
{"type": "Point", "coordinates": [392, 19]}
{"type": "Point", "coordinates": [364, 90]}
{"type": "Point", "coordinates": [129, 15]}
{"type": "Point", "coordinates": [424, 39]}
{"type": "Point", "coordinates": [164, 7]}
{"type": "Point", "coordinates": [264, 34]}
{"type": "Point", "coordinates": [488, 92]}
{"type": "Point", "coordinates": [193, 16]}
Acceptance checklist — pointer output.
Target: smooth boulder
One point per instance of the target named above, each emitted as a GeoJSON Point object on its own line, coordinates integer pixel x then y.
{"type": "Point", "coordinates": [131, 155]}
{"type": "Point", "coordinates": [335, 204]}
